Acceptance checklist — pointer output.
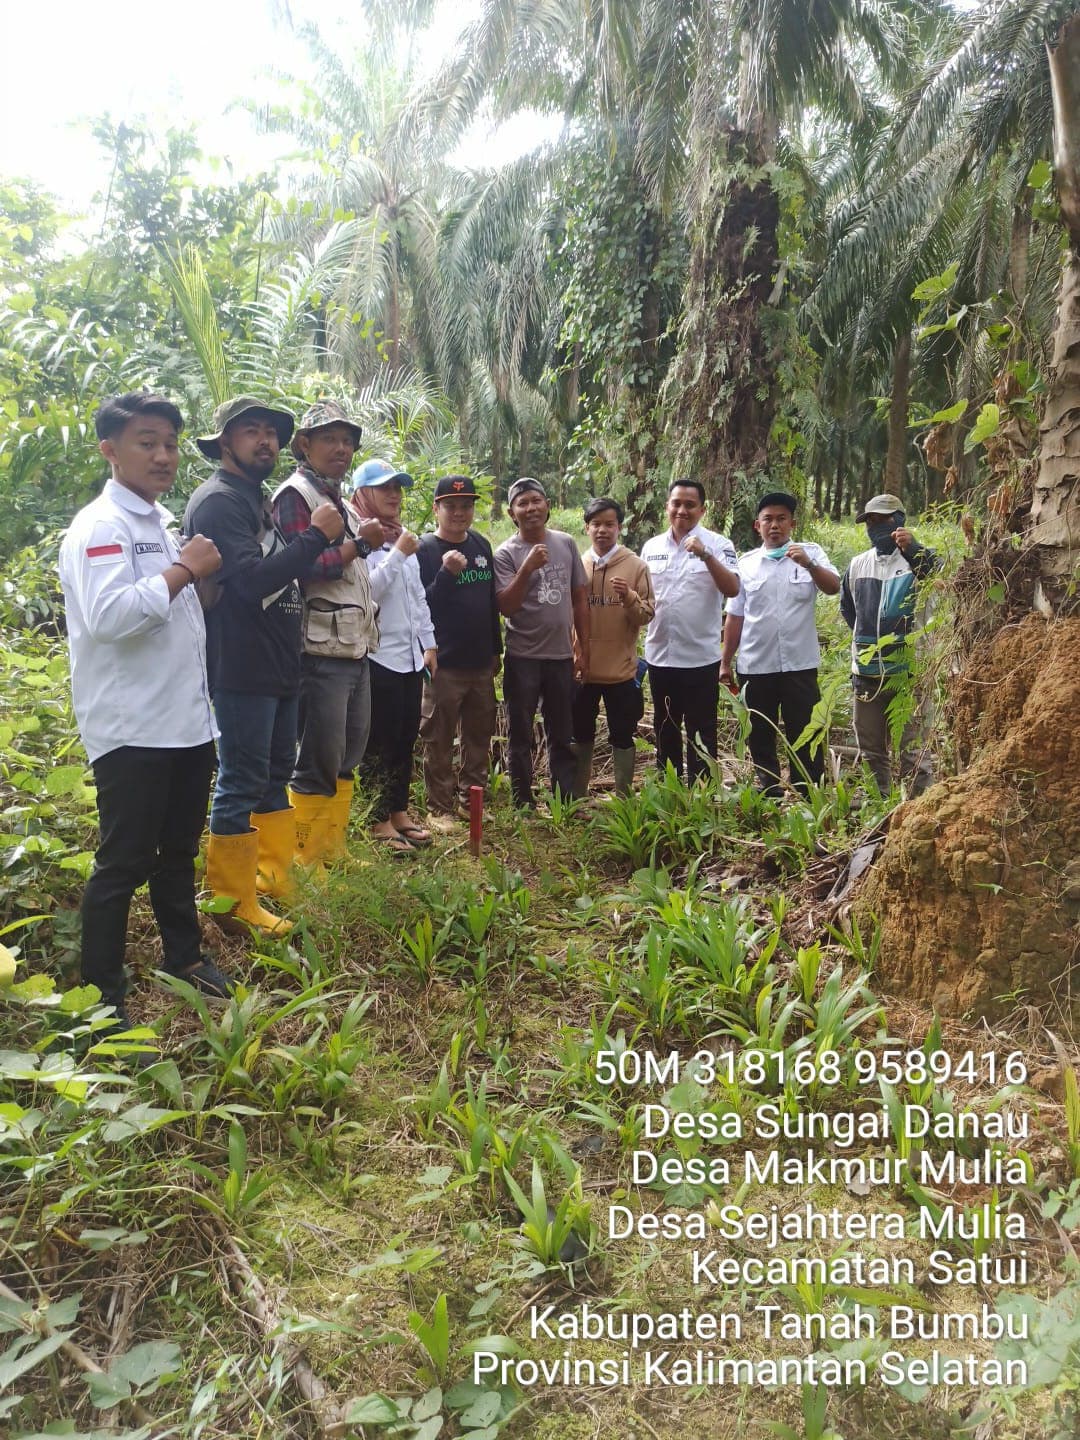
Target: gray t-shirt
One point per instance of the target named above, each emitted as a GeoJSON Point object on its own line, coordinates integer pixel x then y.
{"type": "Point", "coordinates": [543, 628]}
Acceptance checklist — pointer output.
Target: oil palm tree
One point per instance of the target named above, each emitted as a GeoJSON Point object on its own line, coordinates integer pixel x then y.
{"type": "Point", "coordinates": [694, 95]}
{"type": "Point", "coordinates": [946, 184]}
{"type": "Point", "coordinates": [378, 164]}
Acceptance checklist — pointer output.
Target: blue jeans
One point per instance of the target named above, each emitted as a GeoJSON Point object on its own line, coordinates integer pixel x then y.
{"type": "Point", "coordinates": [256, 754]}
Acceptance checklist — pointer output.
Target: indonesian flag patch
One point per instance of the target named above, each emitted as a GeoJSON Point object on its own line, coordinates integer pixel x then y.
{"type": "Point", "coordinates": [104, 554]}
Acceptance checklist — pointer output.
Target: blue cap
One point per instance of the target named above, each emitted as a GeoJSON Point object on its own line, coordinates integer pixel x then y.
{"type": "Point", "coordinates": [378, 472]}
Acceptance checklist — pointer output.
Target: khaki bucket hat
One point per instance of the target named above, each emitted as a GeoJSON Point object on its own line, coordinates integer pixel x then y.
{"type": "Point", "coordinates": [879, 505]}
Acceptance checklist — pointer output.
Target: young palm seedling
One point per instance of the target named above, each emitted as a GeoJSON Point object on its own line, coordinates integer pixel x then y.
{"type": "Point", "coordinates": [555, 1235]}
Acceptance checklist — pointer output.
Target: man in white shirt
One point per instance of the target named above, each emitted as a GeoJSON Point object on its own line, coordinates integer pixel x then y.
{"type": "Point", "coordinates": [138, 681]}
{"type": "Point", "coordinates": [771, 625]}
{"type": "Point", "coordinates": [692, 569]}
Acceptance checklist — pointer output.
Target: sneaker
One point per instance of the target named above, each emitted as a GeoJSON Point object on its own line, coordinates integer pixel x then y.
{"type": "Point", "coordinates": [208, 980]}
{"type": "Point", "coordinates": [442, 823]}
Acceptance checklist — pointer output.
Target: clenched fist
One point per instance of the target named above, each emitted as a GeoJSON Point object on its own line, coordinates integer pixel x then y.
{"type": "Point", "coordinates": [201, 556]}
{"type": "Point", "coordinates": [454, 561]}
{"type": "Point", "coordinates": [407, 543]}
{"type": "Point", "coordinates": [327, 518]}
{"type": "Point", "coordinates": [536, 559]}
{"type": "Point", "coordinates": [371, 532]}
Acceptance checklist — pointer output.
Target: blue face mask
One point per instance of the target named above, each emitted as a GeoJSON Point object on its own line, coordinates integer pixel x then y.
{"type": "Point", "coordinates": [779, 552]}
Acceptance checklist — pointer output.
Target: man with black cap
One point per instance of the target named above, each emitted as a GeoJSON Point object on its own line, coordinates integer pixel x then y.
{"type": "Point", "coordinates": [254, 620]}
{"type": "Point", "coordinates": [770, 623]}
{"type": "Point", "coordinates": [458, 572]}
{"type": "Point", "coordinates": [340, 631]}
{"type": "Point", "coordinates": [541, 589]}
{"type": "Point", "coordinates": [877, 599]}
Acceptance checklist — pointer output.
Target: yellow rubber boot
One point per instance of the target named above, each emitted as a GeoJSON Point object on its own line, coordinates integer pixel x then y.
{"type": "Point", "coordinates": [340, 806]}
{"type": "Point", "coordinates": [314, 819]}
{"type": "Point", "coordinates": [231, 861]}
{"type": "Point", "coordinates": [277, 847]}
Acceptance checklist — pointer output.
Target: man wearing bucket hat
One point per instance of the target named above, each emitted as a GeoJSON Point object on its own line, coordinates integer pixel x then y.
{"type": "Point", "coordinates": [458, 571]}
{"type": "Point", "coordinates": [253, 620]}
{"type": "Point", "coordinates": [878, 599]}
{"type": "Point", "coordinates": [339, 633]}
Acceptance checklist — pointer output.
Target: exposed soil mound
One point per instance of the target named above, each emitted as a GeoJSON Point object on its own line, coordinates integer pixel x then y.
{"type": "Point", "coordinates": [978, 886]}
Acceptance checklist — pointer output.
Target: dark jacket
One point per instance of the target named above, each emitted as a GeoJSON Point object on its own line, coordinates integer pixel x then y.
{"type": "Point", "coordinates": [254, 630]}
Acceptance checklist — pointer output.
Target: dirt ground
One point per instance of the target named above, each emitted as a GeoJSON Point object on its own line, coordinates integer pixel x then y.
{"type": "Point", "coordinates": [978, 886]}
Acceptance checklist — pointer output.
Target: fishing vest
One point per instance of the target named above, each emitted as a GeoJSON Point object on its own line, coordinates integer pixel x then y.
{"type": "Point", "coordinates": [339, 615]}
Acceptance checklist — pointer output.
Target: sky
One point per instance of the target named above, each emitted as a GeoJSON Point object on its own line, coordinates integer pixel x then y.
{"type": "Point", "coordinates": [69, 61]}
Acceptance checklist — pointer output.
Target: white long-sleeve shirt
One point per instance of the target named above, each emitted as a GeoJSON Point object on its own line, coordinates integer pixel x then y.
{"type": "Point", "coordinates": [138, 660]}
{"type": "Point", "coordinates": [689, 616]}
{"type": "Point", "coordinates": [776, 602]}
{"type": "Point", "coordinates": [405, 628]}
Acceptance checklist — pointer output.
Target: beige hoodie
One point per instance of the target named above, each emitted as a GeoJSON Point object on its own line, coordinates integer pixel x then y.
{"type": "Point", "coordinates": [613, 626]}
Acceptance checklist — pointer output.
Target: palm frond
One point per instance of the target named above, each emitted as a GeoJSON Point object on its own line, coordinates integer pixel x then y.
{"type": "Point", "coordinates": [186, 277]}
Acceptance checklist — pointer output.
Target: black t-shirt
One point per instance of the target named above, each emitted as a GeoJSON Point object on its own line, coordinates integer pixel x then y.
{"type": "Point", "coordinates": [254, 632]}
{"type": "Point", "coordinates": [463, 608]}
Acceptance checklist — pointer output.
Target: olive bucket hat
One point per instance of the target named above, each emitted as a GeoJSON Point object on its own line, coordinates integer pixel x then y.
{"type": "Point", "coordinates": [231, 410]}
{"type": "Point", "coordinates": [320, 415]}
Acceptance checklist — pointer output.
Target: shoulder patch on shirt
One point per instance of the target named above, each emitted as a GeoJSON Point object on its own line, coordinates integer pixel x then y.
{"type": "Point", "coordinates": [148, 547]}
{"type": "Point", "coordinates": [105, 554]}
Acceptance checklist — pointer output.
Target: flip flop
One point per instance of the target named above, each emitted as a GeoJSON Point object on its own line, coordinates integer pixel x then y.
{"type": "Point", "coordinates": [397, 843]}
{"type": "Point", "coordinates": [416, 836]}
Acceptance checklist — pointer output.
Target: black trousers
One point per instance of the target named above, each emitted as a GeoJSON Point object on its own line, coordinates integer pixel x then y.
{"type": "Point", "coordinates": [152, 810]}
{"type": "Point", "coordinates": [788, 696]}
{"type": "Point", "coordinates": [387, 766]}
{"type": "Point", "coordinates": [685, 699]}
{"type": "Point", "coordinates": [549, 684]}
{"type": "Point", "coordinates": [623, 706]}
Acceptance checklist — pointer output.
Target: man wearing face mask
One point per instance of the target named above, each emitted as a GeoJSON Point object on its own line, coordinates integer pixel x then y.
{"type": "Point", "coordinates": [771, 624]}
{"type": "Point", "coordinates": [877, 599]}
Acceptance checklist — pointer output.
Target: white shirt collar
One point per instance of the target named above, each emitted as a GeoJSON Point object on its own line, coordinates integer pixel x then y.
{"type": "Point", "coordinates": [128, 500]}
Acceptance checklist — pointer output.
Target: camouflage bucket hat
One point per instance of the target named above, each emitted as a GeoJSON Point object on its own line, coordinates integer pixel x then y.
{"type": "Point", "coordinates": [318, 416]}
{"type": "Point", "coordinates": [231, 410]}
